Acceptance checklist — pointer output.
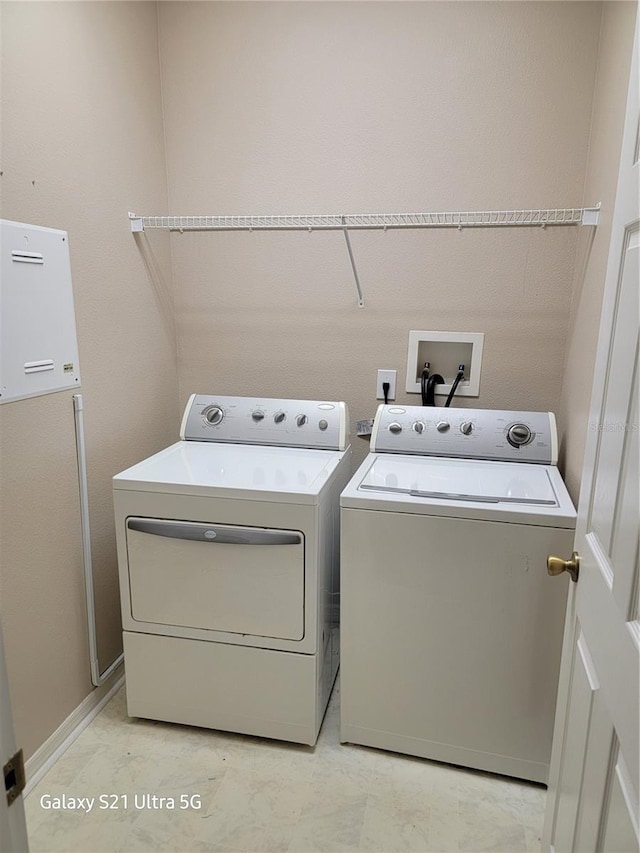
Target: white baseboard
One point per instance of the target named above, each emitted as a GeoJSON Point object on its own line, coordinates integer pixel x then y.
{"type": "Point", "coordinates": [57, 744]}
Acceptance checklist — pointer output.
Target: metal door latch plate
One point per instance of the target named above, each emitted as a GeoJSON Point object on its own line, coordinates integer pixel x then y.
{"type": "Point", "coordinates": [14, 776]}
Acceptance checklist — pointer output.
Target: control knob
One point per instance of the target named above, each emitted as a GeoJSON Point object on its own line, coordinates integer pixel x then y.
{"type": "Point", "coordinates": [418, 427]}
{"type": "Point", "coordinates": [519, 435]}
{"type": "Point", "coordinates": [443, 426]}
{"type": "Point", "coordinates": [395, 428]}
{"type": "Point", "coordinates": [466, 427]}
{"type": "Point", "coordinates": [257, 416]}
{"type": "Point", "coordinates": [301, 420]}
{"type": "Point", "coordinates": [213, 415]}
{"type": "Point", "coordinates": [279, 417]}
{"type": "Point", "coordinates": [323, 424]}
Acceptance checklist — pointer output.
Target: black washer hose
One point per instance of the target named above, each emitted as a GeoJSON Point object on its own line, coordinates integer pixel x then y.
{"type": "Point", "coordinates": [423, 382]}
{"type": "Point", "coordinates": [434, 379]}
{"type": "Point", "coordinates": [454, 387]}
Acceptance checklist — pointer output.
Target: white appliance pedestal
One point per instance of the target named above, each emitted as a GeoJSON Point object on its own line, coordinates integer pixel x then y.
{"type": "Point", "coordinates": [233, 688]}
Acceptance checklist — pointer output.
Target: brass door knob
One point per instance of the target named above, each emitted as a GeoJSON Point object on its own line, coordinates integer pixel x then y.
{"type": "Point", "coordinates": [556, 566]}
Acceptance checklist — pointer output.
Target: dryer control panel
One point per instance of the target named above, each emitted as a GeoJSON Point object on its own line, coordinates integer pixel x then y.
{"type": "Point", "coordinates": [260, 420]}
{"type": "Point", "coordinates": [466, 433]}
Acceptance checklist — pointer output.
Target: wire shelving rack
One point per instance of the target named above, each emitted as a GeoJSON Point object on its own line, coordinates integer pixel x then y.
{"type": "Point", "coordinates": [539, 217]}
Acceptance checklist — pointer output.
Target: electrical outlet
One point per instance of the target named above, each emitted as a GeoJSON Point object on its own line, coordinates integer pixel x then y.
{"type": "Point", "coordinates": [386, 376]}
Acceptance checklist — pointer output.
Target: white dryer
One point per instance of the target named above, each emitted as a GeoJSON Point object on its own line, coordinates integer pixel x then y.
{"type": "Point", "coordinates": [228, 549]}
{"type": "Point", "coordinates": [451, 626]}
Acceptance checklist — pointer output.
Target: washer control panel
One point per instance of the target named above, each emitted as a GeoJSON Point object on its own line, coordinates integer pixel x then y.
{"type": "Point", "coordinates": [260, 420]}
{"type": "Point", "coordinates": [466, 433]}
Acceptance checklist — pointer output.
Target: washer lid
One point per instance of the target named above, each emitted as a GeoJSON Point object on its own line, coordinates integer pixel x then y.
{"type": "Point", "coordinates": [233, 470]}
{"type": "Point", "coordinates": [461, 479]}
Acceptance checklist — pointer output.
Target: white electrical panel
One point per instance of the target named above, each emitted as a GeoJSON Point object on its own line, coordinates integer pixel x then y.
{"type": "Point", "coordinates": [38, 345]}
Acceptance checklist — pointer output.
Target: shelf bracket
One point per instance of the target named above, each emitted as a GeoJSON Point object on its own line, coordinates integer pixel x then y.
{"type": "Point", "coordinates": [136, 223]}
{"type": "Point", "coordinates": [345, 231]}
{"type": "Point", "coordinates": [591, 215]}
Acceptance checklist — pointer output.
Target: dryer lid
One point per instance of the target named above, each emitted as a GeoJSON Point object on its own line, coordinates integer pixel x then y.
{"type": "Point", "coordinates": [461, 479]}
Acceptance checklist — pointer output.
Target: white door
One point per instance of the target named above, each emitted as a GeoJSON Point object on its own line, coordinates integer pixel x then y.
{"type": "Point", "coordinates": [593, 786]}
{"type": "Point", "coordinates": [13, 829]}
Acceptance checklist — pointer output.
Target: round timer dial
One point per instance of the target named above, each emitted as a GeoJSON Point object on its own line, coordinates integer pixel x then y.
{"type": "Point", "coordinates": [519, 434]}
{"type": "Point", "coordinates": [213, 415]}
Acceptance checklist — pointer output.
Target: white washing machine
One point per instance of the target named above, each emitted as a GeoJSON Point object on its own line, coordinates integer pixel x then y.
{"type": "Point", "coordinates": [228, 550]}
{"type": "Point", "coordinates": [451, 627]}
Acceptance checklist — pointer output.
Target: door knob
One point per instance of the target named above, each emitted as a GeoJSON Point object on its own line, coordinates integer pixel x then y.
{"type": "Point", "coordinates": [556, 566]}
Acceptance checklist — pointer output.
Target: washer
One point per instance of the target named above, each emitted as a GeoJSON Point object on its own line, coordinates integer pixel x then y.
{"type": "Point", "coordinates": [228, 549]}
{"type": "Point", "coordinates": [451, 627]}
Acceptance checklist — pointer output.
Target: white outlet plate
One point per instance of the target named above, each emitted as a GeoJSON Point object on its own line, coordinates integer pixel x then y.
{"type": "Point", "coordinates": [386, 376]}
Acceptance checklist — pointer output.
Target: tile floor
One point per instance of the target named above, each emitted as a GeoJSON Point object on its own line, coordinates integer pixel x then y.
{"type": "Point", "coordinates": [262, 796]}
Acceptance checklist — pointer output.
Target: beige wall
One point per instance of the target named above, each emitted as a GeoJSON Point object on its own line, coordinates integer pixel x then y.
{"type": "Point", "coordinates": [82, 143]}
{"type": "Point", "coordinates": [365, 107]}
{"type": "Point", "coordinates": [610, 97]}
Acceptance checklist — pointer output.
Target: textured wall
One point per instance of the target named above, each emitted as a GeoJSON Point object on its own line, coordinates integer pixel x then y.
{"type": "Point", "coordinates": [82, 143]}
{"type": "Point", "coordinates": [610, 98]}
{"type": "Point", "coordinates": [365, 107]}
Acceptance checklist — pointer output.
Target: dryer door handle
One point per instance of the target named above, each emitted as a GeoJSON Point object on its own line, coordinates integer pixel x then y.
{"type": "Point", "coordinates": [212, 533]}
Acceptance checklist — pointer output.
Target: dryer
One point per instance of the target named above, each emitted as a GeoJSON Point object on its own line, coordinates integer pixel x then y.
{"type": "Point", "coordinates": [451, 627]}
{"type": "Point", "coordinates": [228, 550]}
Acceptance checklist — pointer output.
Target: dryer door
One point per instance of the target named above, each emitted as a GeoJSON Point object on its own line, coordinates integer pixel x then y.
{"type": "Point", "coordinates": [241, 580]}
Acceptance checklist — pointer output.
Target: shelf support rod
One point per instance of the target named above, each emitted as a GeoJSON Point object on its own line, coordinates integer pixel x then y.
{"type": "Point", "coordinates": [345, 231]}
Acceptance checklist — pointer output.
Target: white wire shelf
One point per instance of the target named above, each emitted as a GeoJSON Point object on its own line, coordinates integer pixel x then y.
{"type": "Point", "coordinates": [362, 221]}
{"type": "Point", "coordinates": [346, 222]}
